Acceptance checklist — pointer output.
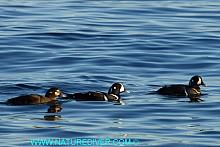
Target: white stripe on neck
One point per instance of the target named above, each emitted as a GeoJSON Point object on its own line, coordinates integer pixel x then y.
{"type": "Point", "coordinates": [116, 97]}
{"type": "Point", "coordinates": [106, 99]}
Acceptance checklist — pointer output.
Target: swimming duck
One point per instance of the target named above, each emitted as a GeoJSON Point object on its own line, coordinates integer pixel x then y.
{"type": "Point", "coordinates": [31, 99]}
{"type": "Point", "coordinates": [112, 95]}
{"type": "Point", "coordinates": [190, 90]}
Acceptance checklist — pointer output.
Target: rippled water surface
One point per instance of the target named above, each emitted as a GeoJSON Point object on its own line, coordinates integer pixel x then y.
{"type": "Point", "coordinates": [90, 44]}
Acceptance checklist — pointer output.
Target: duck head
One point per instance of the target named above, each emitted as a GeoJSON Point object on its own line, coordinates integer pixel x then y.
{"type": "Point", "coordinates": [54, 92]}
{"type": "Point", "coordinates": [196, 81]}
{"type": "Point", "coordinates": [116, 89]}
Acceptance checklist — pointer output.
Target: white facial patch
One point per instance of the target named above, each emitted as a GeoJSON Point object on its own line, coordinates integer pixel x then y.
{"type": "Point", "coordinates": [57, 92]}
{"type": "Point", "coordinates": [200, 81]}
{"type": "Point", "coordinates": [122, 89]}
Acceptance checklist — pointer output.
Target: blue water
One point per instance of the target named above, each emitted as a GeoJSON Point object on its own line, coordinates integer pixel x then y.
{"type": "Point", "coordinates": [88, 45]}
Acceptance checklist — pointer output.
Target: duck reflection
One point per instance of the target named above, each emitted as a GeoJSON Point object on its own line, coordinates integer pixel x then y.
{"type": "Point", "coordinates": [53, 109]}
{"type": "Point", "coordinates": [119, 102]}
{"type": "Point", "coordinates": [195, 99]}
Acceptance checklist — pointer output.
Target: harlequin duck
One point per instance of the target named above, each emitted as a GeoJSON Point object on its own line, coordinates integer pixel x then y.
{"type": "Point", "coordinates": [190, 90]}
{"type": "Point", "coordinates": [31, 99]}
{"type": "Point", "coordinates": [112, 95]}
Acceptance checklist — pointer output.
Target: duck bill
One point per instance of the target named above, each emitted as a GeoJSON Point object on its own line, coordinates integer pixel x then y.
{"type": "Point", "coordinates": [63, 95]}
{"type": "Point", "coordinates": [67, 96]}
{"type": "Point", "coordinates": [203, 84]}
{"type": "Point", "coordinates": [127, 91]}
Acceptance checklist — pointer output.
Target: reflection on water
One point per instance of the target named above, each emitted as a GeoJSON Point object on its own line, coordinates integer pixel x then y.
{"type": "Point", "coordinates": [52, 117]}
{"type": "Point", "coordinates": [54, 108]}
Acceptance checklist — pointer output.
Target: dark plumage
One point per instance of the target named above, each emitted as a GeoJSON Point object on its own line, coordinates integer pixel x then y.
{"type": "Point", "coordinates": [112, 95]}
{"type": "Point", "coordinates": [31, 99]}
{"type": "Point", "coordinates": [190, 90]}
